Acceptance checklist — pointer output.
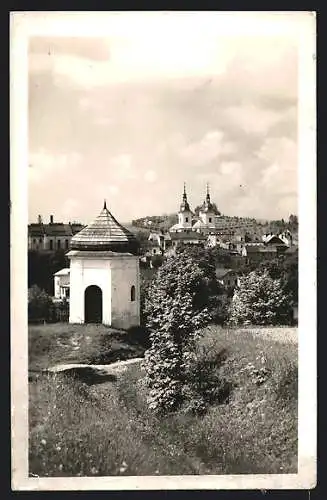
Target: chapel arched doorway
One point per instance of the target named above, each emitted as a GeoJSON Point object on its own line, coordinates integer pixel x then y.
{"type": "Point", "coordinates": [93, 304]}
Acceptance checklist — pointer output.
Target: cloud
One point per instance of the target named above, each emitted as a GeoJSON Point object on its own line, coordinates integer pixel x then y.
{"type": "Point", "coordinates": [280, 175]}
{"type": "Point", "coordinates": [150, 176]}
{"type": "Point", "coordinates": [70, 208]}
{"type": "Point", "coordinates": [44, 164]}
{"type": "Point", "coordinates": [235, 127]}
{"type": "Point", "coordinates": [121, 167]}
{"type": "Point", "coordinates": [252, 119]}
{"type": "Point", "coordinates": [213, 144]}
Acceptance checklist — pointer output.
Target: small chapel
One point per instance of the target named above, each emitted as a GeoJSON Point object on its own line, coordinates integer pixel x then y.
{"type": "Point", "coordinates": [104, 274]}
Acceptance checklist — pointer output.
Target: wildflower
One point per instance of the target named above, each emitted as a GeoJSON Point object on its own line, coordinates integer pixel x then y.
{"type": "Point", "coordinates": [43, 441]}
{"type": "Point", "coordinates": [123, 467]}
{"type": "Point", "coordinates": [94, 470]}
{"type": "Point", "coordinates": [58, 448]}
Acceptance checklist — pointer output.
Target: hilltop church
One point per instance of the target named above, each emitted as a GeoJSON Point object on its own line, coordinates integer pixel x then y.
{"type": "Point", "coordinates": [204, 223]}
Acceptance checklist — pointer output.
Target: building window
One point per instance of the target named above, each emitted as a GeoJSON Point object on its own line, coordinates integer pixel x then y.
{"type": "Point", "coordinates": [133, 293]}
{"type": "Point", "coordinates": [58, 244]}
{"type": "Point", "coordinates": [51, 244]}
{"type": "Point", "coordinates": [210, 219]}
{"type": "Point", "coordinates": [154, 250]}
{"type": "Point", "coordinates": [67, 244]}
{"type": "Point", "coordinates": [186, 219]}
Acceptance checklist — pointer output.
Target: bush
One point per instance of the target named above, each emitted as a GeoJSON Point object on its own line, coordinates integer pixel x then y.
{"type": "Point", "coordinates": [39, 304]}
{"type": "Point", "coordinates": [176, 308]}
{"type": "Point", "coordinates": [260, 300]}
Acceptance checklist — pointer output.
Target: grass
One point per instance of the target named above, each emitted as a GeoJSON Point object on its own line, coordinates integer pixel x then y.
{"type": "Point", "coordinates": [62, 343]}
{"type": "Point", "coordinates": [106, 429]}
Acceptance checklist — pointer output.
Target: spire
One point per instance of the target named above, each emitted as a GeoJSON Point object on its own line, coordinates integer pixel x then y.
{"type": "Point", "coordinates": [184, 193]}
{"type": "Point", "coordinates": [184, 206]}
{"type": "Point", "coordinates": [208, 193]}
{"type": "Point", "coordinates": [105, 205]}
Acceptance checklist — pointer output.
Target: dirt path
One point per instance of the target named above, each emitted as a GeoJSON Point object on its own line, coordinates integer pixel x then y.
{"type": "Point", "coordinates": [118, 366]}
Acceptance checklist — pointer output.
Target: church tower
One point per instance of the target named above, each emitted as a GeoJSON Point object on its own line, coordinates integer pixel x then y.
{"type": "Point", "coordinates": [185, 214]}
{"type": "Point", "coordinates": [207, 212]}
{"type": "Point", "coordinates": [104, 274]}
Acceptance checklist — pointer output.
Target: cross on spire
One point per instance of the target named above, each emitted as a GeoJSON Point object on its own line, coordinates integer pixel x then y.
{"type": "Point", "coordinates": [208, 193]}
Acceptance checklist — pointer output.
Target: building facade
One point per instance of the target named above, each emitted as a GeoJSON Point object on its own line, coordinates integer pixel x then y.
{"type": "Point", "coordinates": [104, 274]}
{"type": "Point", "coordinates": [52, 236]}
{"type": "Point", "coordinates": [62, 284]}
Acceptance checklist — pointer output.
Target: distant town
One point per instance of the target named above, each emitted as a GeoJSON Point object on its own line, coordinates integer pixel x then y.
{"type": "Point", "coordinates": [240, 243]}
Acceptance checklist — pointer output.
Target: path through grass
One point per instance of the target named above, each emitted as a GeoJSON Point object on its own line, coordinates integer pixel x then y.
{"type": "Point", "coordinates": [106, 428]}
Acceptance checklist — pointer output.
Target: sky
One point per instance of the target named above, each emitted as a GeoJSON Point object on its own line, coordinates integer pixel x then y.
{"type": "Point", "coordinates": [130, 116]}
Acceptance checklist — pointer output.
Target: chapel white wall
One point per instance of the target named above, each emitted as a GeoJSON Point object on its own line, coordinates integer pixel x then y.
{"type": "Point", "coordinates": [115, 276]}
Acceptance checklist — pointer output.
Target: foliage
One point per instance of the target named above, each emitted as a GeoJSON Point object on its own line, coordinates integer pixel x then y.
{"type": "Point", "coordinates": [259, 300]}
{"type": "Point", "coordinates": [43, 265]}
{"type": "Point", "coordinates": [157, 261]}
{"type": "Point", "coordinates": [178, 304]}
{"type": "Point", "coordinates": [39, 304]}
{"type": "Point", "coordinates": [107, 429]}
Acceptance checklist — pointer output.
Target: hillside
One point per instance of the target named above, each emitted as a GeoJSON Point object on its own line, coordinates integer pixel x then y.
{"type": "Point", "coordinates": [252, 225]}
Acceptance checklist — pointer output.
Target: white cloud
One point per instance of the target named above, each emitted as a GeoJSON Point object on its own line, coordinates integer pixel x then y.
{"type": "Point", "coordinates": [150, 176]}
{"type": "Point", "coordinates": [113, 190]}
{"type": "Point", "coordinates": [189, 46]}
{"type": "Point", "coordinates": [209, 147]}
{"type": "Point", "coordinates": [252, 119]}
{"type": "Point", "coordinates": [280, 175]}
{"type": "Point", "coordinates": [121, 167]}
{"type": "Point", "coordinates": [42, 164]}
{"type": "Point", "coordinates": [69, 208]}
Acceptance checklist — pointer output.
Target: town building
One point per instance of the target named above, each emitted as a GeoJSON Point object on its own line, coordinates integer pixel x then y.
{"type": "Point", "coordinates": [62, 284]}
{"type": "Point", "coordinates": [104, 274]}
{"type": "Point", "coordinates": [258, 253]}
{"type": "Point", "coordinates": [52, 236]}
{"type": "Point", "coordinates": [227, 277]}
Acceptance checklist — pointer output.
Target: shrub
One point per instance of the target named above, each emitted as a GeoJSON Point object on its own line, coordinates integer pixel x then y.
{"type": "Point", "coordinates": [259, 300]}
{"type": "Point", "coordinates": [39, 304]}
{"type": "Point", "coordinates": [176, 309]}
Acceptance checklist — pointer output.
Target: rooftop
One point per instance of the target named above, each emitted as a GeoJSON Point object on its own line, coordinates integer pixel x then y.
{"type": "Point", "coordinates": [105, 233]}
{"type": "Point", "coordinates": [221, 272]}
{"type": "Point", "coordinates": [188, 235]}
{"type": "Point", "coordinates": [63, 272]}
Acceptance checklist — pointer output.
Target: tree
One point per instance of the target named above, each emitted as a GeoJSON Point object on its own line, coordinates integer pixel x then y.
{"type": "Point", "coordinates": [177, 307]}
{"type": "Point", "coordinates": [260, 300]}
{"type": "Point", "coordinates": [39, 303]}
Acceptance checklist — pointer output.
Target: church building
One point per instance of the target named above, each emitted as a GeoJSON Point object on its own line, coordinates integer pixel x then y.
{"type": "Point", "coordinates": [104, 274]}
{"type": "Point", "coordinates": [185, 216]}
{"type": "Point", "coordinates": [207, 216]}
{"type": "Point", "coordinates": [189, 223]}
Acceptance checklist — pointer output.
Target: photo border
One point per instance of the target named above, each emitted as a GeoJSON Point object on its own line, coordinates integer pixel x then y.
{"type": "Point", "coordinates": [26, 24]}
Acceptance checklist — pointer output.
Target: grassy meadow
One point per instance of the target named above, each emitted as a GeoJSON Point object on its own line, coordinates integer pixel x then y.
{"type": "Point", "coordinates": [104, 428]}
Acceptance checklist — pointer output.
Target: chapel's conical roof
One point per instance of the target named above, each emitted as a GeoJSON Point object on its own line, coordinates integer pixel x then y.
{"type": "Point", "coordinates": [105, 233]}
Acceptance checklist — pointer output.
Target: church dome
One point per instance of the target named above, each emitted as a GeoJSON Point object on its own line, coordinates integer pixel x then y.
{"type": "Point", "coordinates": [105, 234]}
